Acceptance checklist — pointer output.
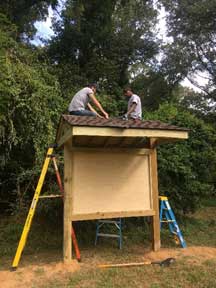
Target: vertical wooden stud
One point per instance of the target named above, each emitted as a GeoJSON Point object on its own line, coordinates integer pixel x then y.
{"type": "Point", "coordinates": [68, 177]}
{"type": "Point", "coordinates": [155, 221]}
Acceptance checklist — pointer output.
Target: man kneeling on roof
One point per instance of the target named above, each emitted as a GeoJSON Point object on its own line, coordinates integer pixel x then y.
{"type": "Point", "coordinates": [134, 105]}
{"type": "Point", "coordinates": [80, 105]}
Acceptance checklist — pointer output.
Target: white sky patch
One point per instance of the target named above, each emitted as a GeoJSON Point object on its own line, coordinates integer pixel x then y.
{"type": "Point", "coordinates": [200, 78]}
{"type": "Point", "coordinates": [187, 83]}
{"type": "Point", "coordinates": [44, 29]}
{"type": "Point", "coordinates": [162, 27]}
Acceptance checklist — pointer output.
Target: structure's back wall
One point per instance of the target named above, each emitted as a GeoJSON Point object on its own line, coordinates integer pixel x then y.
{"type": "Point", "coordinates": [110, 182]}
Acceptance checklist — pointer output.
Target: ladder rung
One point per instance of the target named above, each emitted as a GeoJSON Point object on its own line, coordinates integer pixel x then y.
{"type": "Point", "coordinates": [108, 221]}
{"type": "Point", "coordinates": [166, 221]}
{"type": "Point", "coordinates": [50, 196]}
{"type": "Point", "coordinates": [108, 235]}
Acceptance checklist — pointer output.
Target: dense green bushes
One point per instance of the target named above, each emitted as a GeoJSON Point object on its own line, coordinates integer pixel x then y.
{"type": "Point", "coordinates": [30, 108]}
{"type": "Point", "coordinates": [186, 168]}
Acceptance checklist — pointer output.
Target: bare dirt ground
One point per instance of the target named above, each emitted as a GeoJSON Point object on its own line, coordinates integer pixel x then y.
{"type": "Point", "coordinates": [37, 273]}
{"type": "Point", "coordinates": [34, 271]}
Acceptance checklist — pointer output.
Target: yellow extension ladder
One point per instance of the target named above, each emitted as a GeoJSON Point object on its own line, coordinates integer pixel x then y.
{"type": "Point", "coordinates": [32, 209]}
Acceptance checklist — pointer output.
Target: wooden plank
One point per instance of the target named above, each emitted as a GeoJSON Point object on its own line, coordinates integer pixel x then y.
{"type": "Point", "coordinates": [68, 169]}
{"type": "Point", "coordinates": [154, 181]}
{"type": "Point", "coordinates": [59, 130]}
{"type": "Point", "coordinates": [127, 142]}
{"type": "Point", "coordinates": [117, 132]}
{"type": "Point", "coordinates": [139, 151]}
{"type": "Point", "coordinates": [81, 141]}
{"type": "Point", "coordinates": [107, 215]}
{"type": "Point", "coordinates": [97, 142]}
{"type": "Point", "coordinates": [65, 136]}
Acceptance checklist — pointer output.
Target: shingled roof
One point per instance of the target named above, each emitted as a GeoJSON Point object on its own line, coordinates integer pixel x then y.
{"type": "Point", "coordinates": [100, 132]}
{"type": "Point", "coordinates": [119, 123]}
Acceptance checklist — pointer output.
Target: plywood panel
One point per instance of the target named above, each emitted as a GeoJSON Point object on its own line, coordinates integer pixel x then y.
{"type": "Point", "coordinates": [110, 183]}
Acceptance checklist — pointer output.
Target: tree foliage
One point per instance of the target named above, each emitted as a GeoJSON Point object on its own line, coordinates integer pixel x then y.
{"type": "Point", "coordinates": [29, 109]}
{"type": "Point", "coordinates": [192, 26]}
{"type": "Point", "coordinates": [99, 40]}
{"type": "Point", "coordinates": [186, 169]}
{"type": "Point", "coordinates": [24, 13]}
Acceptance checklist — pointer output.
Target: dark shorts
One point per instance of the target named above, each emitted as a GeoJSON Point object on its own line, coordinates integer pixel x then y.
{"type": "Point", "coordinates": [83, 113]}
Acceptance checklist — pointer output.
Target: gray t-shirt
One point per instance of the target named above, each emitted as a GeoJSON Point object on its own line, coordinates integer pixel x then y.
{"type": "Point", "coordinates": [137, 113]}
{"type": "Point", "coordinates": [80, 100]}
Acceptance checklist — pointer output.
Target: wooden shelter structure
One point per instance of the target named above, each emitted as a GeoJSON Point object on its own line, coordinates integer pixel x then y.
{"type": "Point", "coordinates": [110, 169]}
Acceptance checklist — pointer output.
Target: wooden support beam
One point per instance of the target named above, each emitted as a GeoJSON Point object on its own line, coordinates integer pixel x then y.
{"type": "Point", "coordinates": [90, 140]}
{"type": "Point", "coordinates": [68, 172]}
{"type": "Point", "coordinates": [107, 215]}
{"type": "Point", "coordinates": [136, 151]}
{"type": "Point", "coordinates": [155, 221]}
{"type": "Point", "coordinates": [106, 142]}
{"type": "Point", "coordinates": [124, 141]}
{"type": "Point", "coordinates": [66, 133]}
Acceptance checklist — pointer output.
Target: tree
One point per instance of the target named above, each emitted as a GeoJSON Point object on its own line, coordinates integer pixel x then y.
{"type": "Point", "coordinates": [100, 44]}
{"type": "Point", "coordinates": [187, 171]}
{"type": "Point", "coordinates": [24, 13]}
{"type": "Point", "coordinates": [192, 26]}
{"type": "Point", "coordinates": [153, 90]}
{"type": "Point", "coordinates": [198, 103]}
{"type": "Point", "coordinates": [29, 112]}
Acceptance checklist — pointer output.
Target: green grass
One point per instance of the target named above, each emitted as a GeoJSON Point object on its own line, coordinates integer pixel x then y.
{"type": "Point", "coordinates": [180, 275]}
{"type": "Point", "coordinates": [198, 229]}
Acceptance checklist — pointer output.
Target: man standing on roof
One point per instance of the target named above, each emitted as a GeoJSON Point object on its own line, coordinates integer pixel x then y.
{"type": "Point", "coordinates": [134, 105]}
{"type": "Point", "coordinates": [80, 105]}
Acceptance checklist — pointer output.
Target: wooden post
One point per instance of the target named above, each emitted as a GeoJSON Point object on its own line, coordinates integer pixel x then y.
{"type": "Point", "coordinates": [156, 221]}
{"type": "Point", "coordinates": [68, 168]}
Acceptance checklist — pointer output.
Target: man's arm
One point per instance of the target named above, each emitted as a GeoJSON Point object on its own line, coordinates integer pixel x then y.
{"type": "Point", "coordinates": [131, 109]}
{"type": "Point", "coordinates": [96, 102]}
{"type": "Point", "coordinates": [93, 110]}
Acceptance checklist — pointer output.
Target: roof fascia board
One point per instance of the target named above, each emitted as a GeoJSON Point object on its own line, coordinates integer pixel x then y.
{"type": "Point", "coordinates": [118, 132]}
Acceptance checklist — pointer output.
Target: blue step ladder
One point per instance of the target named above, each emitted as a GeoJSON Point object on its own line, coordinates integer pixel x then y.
{"type": "Point", "coordinates": [104, 222]}
{"type": "Point", "coordinates": [167, 216]}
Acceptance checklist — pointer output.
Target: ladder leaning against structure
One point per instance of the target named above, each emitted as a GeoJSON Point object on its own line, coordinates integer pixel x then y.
{"type": "Point", "coordinates": [167, 216]}
{"type": "Point", "coordinates": [32, 209]}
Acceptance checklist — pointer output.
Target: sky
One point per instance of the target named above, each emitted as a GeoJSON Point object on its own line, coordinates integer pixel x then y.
{"type": "Point", "coordinates": [44, 31]}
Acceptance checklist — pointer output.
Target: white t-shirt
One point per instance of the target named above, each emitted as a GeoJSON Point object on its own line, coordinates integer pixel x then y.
{"type": "Point", "coordinates": [137, 113]}
{"type": "Point", "coordinates": [80, 100]}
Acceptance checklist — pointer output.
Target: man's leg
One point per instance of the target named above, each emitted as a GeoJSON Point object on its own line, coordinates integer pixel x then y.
{"type": "Point", "coordinates": [83, 113]}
